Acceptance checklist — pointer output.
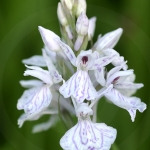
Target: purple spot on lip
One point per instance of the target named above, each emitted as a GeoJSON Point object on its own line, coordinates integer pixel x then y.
{"type": "Point", "coordinates": [84, 59]}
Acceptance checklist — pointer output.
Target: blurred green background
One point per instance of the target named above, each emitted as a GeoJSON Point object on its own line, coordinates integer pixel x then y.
{"type": "Point", "coordinates": [19, 39]}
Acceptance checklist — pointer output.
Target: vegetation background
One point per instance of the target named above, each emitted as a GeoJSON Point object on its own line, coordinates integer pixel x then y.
{"type": "Point", "coordinates": [19, 39]}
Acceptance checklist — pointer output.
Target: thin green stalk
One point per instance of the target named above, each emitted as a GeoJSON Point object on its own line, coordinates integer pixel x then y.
{"type": "Point", "coordinates": [59, 112]}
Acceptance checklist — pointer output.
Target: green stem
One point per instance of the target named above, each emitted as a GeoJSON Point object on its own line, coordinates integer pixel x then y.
{"type": "Point", "coordinates": [60, 116]}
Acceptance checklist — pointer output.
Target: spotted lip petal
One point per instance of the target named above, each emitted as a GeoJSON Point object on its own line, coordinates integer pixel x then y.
{"type": "Point", "coordinates": [26, 97]}
{"type": "Point", "coordinates": [88, 136]}
{"type": "Point", "coordinates": [80, 86]}
{"type": "Point", "coordinates": [40, 101]}
{"type": "Point", "coordinates": [131, 104]}
{"type": "Point", "coordinates": [35, 100]}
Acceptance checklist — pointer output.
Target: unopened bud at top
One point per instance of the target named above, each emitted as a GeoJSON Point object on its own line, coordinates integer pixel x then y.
{"type": "Point", "coordinates": [81, 7]}
{"type": "Point", "coordinates": [69, 3]}
{"type": "Point", "coordinates": [50, 39]}
{"type": "Point", "coordinates": [82, 24]}
{"type": "Point", "coordinates": [61, 15]}
{"type": "Point", "coordinates": [109, 40]}
{"type": "Point", "coordinates": [91, 30]}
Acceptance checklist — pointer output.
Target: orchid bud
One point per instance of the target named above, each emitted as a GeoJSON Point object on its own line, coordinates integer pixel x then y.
{"type": "Point", "coordinates": [63, 20]}
{"type": "Point", "coordinates": [81, 7]}
{"type": "Point", "coordinates": [69, 4]}
{"type": "Point", "coordinates": [61, 16]}
{"type": "Point", "coordinates": [91, 29]}
{"type": "Point", "coordinates": [109, 40]}
{"type": "Point", "coordinates": [82, 26]}
{"type": "Point", "coordinates": [50, 39]}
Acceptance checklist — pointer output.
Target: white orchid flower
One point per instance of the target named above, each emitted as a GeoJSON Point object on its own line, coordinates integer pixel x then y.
{"type": "Point", "coordinates": [86, 134]}
{"type": "Point", "coordinates": [36, 100]}
{"type": "Point", "coordinates": [79, 85]}
{"type": "Point", "coordinates": [118, 79]}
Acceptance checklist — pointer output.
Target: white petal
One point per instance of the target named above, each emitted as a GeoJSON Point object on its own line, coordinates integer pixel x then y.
{"type": "Point", "coordinates": [80, 86]}
{"type": "Point", "coordinates": [119, 61]}
{"type": "Point", "coordinates": [100, 76]}
{"type": "Point", "coordinates": [109, 40]}
{"type": "Point", "coordinates": [114, 70]}
{"type": "Point", "coordinates": [88, 136]}
{"type": "Point", "coordinates": [131, 78]}
{"type": "Point", "coordinates": [36, 60]}
{"type": "Point", "coordinates": [101, 93]}
{"type": "Point", "coordinates": [109, 52]}
{"type": "Point", "coordinates": [126, 92]}
{"type": "Point", "coordinates": [30, 117]}
{"type": "Point", "coordinates": [69, 53]}
{"type": "Point", "coordinates": [128, 88]}
{"type": "Point", "coordinates": [39, 73]}
{"type": "Point", "coordinates": [25, 117]}
{"type": "Point", "coordinates": [39, 102]}
{"type": "Point", "coordinates": [50, 39]}
{"type": "Point", "coordinates": [51, 54]}
{"type": "Point", "coordinates": [46, 125]}
{"type": "Point", "coordinates": [102, 62]}
{"type": "Point", "coordinates": [31, 83]}
{"type": "Point", "coordinates": [128, 85]}
{"type": "Point", "coordinates": [128, 103]}
{"type": "Point", "coordinates": [104, 90]}
{"type": "Point", "coordinates": [56, 77]}
{"type": "Point", "coordinates": [91, 29]}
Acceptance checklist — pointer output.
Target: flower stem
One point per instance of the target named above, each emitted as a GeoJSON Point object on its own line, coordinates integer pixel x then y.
{"type": "Point", "coordinates": [60, 116]}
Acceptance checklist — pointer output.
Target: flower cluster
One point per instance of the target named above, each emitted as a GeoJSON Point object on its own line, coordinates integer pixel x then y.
{"type": "Point", "coordinates": [76, 80]}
